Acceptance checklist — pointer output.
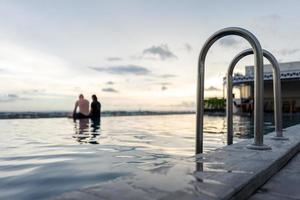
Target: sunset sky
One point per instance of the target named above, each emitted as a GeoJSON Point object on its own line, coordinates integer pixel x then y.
{"type": "Point", "coordinates": [133, 54]}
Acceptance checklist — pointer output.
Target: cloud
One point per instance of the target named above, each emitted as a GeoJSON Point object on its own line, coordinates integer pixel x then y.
{"type": "Point", "coordinates": [110, 83]}
{"type": "Point", "coordinates": [269, 24]}
{"type": "Point", "coordinates": [212, 88]}
{"type": "Point", "coordinates": [167, 76]}
{"type": "Point", "coordinates": [273, 17]}
{"type": "Point", "coordinates": [286, 52]}
{"type": "Point", "coordinates": [33, 91]}
{"type": "Point", "coordinates": [4, 71]}
{"type": "Point", "coordinates": [10, 98]}
{"type": "Point", "coordinates": [228, 42]}
{"type": "Point", "coordinates": [162, 51]}
{"type": "Point", "coordinates": [110, 90]}
{"type": "Point", "coordinates": [123, 70]}
{"type": "Point", "coordinates": [164, 83]}
{"type": "Point", "coordinates": [32, 62]}
{"type": "Point", "coordinates": [270, 18]}
{"type": "Point", "coordinates": [188, 47]}
{"type": "Point", "coordinates": [114, 59]}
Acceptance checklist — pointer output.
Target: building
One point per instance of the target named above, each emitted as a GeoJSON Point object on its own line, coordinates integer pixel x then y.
{"type": "Point", "coordinates": [290, 84]}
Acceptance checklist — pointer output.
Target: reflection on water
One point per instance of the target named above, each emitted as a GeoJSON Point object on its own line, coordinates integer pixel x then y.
{"type": "Point", "coordinates": [41, 158]}
{"type": "Point", "coordinates": [87, 130]}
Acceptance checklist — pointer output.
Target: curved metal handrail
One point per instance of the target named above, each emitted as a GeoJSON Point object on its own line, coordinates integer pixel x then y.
{"type": "Point", "coordinates": [258, 82]}
{"type": "Point", "coordinates": [276, 89]}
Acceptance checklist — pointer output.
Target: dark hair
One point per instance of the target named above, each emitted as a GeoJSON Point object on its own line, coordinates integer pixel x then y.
{"type": "Point", "coordinates": [81, 96]}
{"type": "Point", "coordinates": [94, 97]}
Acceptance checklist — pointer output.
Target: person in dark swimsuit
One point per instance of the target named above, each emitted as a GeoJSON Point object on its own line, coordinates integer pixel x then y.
{"type": "Point", "coordinates": [95, 112]}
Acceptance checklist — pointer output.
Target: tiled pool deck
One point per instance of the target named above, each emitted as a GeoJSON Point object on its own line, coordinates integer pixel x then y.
{"type": "Point", "coordinates": [284, 185]}
{"type": "Point", "coordinates": [238, 173]}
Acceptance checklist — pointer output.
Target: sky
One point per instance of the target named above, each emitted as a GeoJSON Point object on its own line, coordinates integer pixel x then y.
{"type": "Point", "coordinates": [134, 54]}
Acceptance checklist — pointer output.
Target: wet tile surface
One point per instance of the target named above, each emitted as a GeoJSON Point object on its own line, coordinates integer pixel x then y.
{"type": "Point", "coordinates": [284, 185]}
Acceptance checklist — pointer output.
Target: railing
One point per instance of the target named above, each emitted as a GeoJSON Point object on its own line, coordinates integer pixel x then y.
{"type": "Point", "coordinates": [276, 89]}
{"type": "Point", "coordinates": [258, 86]}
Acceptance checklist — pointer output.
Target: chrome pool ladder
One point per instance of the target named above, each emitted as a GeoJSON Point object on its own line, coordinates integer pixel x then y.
{"type": "Point", "coordinates": [276, 93]}
{"type": "Point", "coordinates": [258, 86]}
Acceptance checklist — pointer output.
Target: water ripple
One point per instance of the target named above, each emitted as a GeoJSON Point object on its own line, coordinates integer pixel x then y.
{"type": "Point", "coordinates": [41, 158]}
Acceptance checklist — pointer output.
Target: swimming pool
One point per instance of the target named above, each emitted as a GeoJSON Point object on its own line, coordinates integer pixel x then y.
{"type": "Point", "coordinates": [42, 158]}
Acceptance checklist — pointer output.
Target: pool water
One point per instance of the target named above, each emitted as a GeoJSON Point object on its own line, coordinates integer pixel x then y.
{"type": "Point", "coordinates": [43, 158]}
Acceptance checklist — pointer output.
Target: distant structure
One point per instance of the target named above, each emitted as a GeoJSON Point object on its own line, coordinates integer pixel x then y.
{"type": "Point", "coordinates": [290, 83]}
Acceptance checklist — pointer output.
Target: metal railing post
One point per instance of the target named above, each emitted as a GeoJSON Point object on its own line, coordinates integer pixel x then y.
{"type": "Point", "coordinates": [276, 89]}
{"type": "Point", "coordinates": [229, 108]}
{"type": "Point", "coordinates": [258, 106]}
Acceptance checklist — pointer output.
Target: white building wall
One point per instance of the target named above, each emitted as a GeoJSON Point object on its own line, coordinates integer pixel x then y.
{"type": "Point", "coordinates": [284, 67]}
